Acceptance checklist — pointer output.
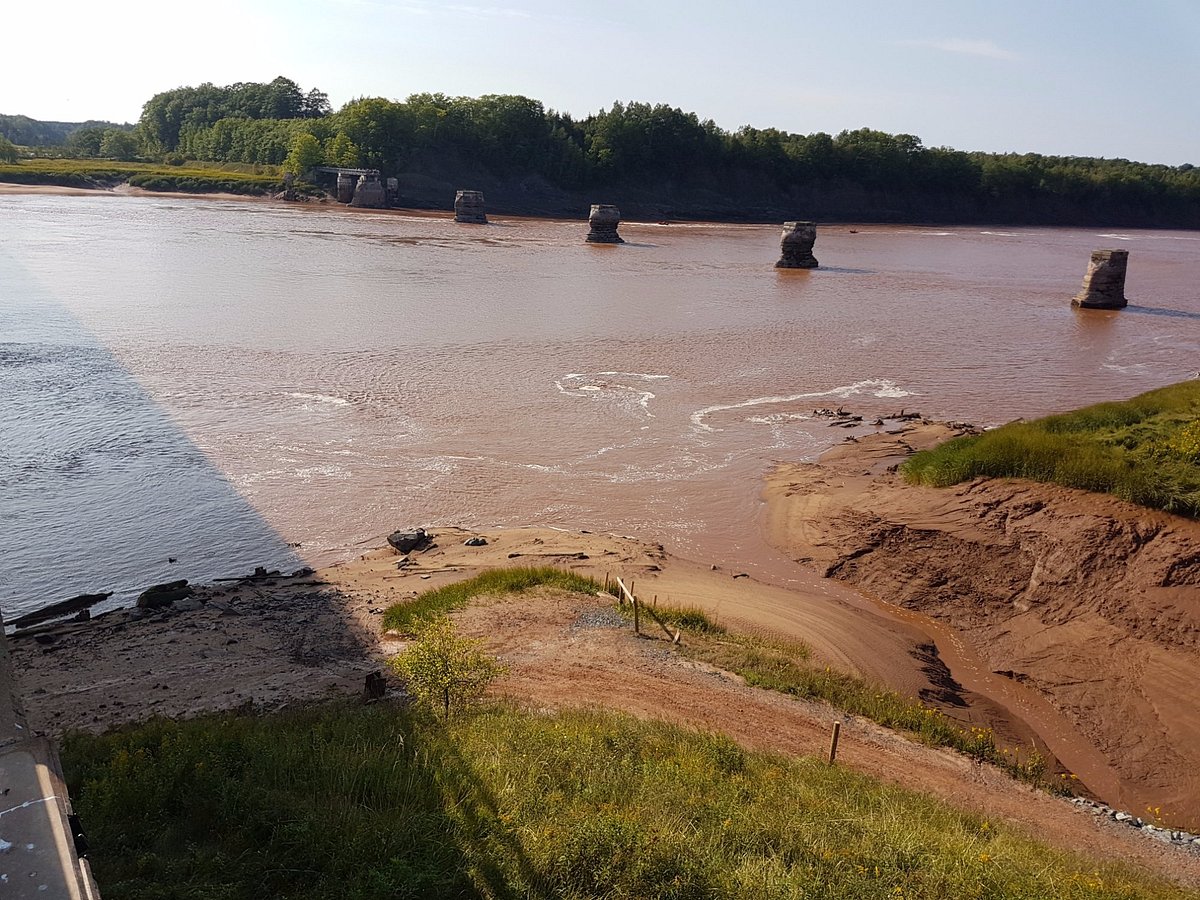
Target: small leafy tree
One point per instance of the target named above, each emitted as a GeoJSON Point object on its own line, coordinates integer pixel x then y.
{"type": "Point", "coordinates": [118, 144]}
{"type": "Point", "coordinates": [341, 151]}
{"type": "Point", "coordinates": [8, 150]}
{"type": "Point", "coordinates": [305, 153]}
{"type": "Point", "coordinates": [443, 669]}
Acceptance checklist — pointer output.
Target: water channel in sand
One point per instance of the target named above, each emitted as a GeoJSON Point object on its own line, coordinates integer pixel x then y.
{"type": "Point", "coordinates": [213, 381]}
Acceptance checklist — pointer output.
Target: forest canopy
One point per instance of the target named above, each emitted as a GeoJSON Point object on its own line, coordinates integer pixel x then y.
{"type": "Point", "coordinates": [651, 149]}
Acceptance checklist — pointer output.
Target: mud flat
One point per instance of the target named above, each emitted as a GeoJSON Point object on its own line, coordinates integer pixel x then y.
{"type": "Point", "coordinates": [1076, 612]}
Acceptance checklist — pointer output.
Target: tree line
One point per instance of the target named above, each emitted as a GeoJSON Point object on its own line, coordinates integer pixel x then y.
{"type": "Point", "coordinates": [652, 148]}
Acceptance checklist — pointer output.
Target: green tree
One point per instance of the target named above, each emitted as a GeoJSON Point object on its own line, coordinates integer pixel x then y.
{"type": "Point", "coordinates": [306, 152]}
{"type": "Point", "coordinates": [443, 669]}
{"type": "Point", "coordinates": [341, 151]}
{"type": "Point", "coordinates": [85, 142]}
{"type": "Point", "coordinates": [118, 145]}
{"type": "Point", "coordinates": [8, 150]}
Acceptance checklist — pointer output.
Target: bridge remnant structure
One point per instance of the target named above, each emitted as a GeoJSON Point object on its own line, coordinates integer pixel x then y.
{"type": "Point", "coordinates": [603, 221]}
{"type": "Point", "coordinates": [796, 246]}
{"type": "Point", "coordinates": [356, 187]}
{"type": "Point", "coordinates": [469, 208]}
{"type": "Point", "coordinates": [1104, 281]}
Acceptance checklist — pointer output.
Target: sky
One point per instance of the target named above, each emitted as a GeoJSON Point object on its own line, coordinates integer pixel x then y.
{"type": "Point", "coordinates": [1069, 77]}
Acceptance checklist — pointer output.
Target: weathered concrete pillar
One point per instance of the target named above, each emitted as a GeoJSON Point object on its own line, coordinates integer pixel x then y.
{"type": "Point", "coordinates": [796, 246]}
{"type": "Point", "coordinates": [604, 220]}
{"type": "Point", "coordinates": [468, 207]}
{"type": "Point", "coordinates": [345, 187]}
{"type": "Point", "coordinates": [369, 194]}
{"type": "Point", "coordinates": [1104, 283]}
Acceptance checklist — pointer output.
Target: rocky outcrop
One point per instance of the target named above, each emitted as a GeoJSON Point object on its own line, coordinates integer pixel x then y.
{"type": "Point", "coordinates": [469, 208]}
{"type": "Point", "coordinates": [164, 594]}
{"type": "Point", "coordinates": [796, 246]}
{"type": "Point", "coordinates": [604, 220]}
{"type": "Point", "coordinates": [406, 541]}
{"type": "Point", "coordinates": [1104, 283]}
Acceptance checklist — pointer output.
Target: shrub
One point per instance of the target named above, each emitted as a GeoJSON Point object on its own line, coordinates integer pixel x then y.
{"type": "Point", "coordinates": [443, 669]}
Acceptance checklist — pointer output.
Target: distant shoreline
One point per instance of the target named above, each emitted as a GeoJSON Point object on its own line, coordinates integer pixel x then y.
{"type": "Point", "coordinates": [8, 189]}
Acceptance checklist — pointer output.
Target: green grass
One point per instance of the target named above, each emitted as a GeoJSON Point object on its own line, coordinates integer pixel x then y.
{"type": "Point", "coordinates": [770, 663]}
{"type": "Point", "coordinates": [1145, 450]}
{"type": "Point", "coordinates": [192, 177]}
{"type": "Point", "coordinates": [787, 667]}
{"type": "Point", "coordinates": [691, 619]}
{"type": "Point", "coordinates": [494, 581]}
{"type": "Point", "coordinates": [354, 802]}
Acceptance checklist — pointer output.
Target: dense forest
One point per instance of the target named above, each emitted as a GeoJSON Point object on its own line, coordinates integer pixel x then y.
{"type": "Point", "coordinates": [649, 159]}
{"type": "Point", "coordinates": [35, 133]}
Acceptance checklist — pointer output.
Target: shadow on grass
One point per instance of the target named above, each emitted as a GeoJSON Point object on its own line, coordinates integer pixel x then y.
{"type": "Point", "coordinates": [336, 801]}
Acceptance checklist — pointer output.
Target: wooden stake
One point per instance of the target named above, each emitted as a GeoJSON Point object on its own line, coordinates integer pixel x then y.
{"type": "Point", "coordinates": [833, 742]}
{"type": "Point", "coordinates": [637, 624]}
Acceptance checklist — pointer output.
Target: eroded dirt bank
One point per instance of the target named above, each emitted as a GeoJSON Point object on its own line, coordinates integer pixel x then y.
{"type": "Point", "coordinates": [1081, 600]}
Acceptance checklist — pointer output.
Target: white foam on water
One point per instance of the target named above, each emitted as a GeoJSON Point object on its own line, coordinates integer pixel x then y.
{"type": "Point", "coordinates": [321, 398]}
{"type": "Point", "coordinates": [877, 387]}
{"type": "Point", "coordinates": [646, 376]}
{"type": "Point", "coordinates": [778, 418]}
{"type": "Point", "coordinates": [643, 397]}
{"type": "Point", "coordinates": [1132, 369]}
{"type": "Point", "coordinates": [1002, 233]}
{"type": "Point", "coordinates": [1116, 237]}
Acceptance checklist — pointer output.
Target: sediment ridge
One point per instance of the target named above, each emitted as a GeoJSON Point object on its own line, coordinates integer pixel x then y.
{"type": "Point", "coordinates": [1082, 600]}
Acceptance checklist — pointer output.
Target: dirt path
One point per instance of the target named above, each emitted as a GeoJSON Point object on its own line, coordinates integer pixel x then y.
{"type": "Point", "coordinates": [569, 651]}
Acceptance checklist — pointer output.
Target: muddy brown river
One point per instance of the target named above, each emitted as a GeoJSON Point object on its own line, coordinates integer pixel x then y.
{"type": "Point", "coordinates": [215, 382]}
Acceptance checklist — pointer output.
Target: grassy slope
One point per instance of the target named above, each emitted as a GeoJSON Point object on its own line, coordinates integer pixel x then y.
{"type": "Point", "coordinates": [368, 802]}
{"type": "Point", "coordinates": [1145, 450]}
{"type": "Point", "coordinates": [768, 663]}
{"type": "Point", "coordinates": [495, 581]}
{"type": "Point", "coordinates": [194, 177]}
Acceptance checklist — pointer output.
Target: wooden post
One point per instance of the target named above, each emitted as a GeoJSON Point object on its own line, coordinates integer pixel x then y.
{"type": "Point", "coordinates": [637, 624]}
{"type": "Point", "coordinates": [606, 582]}
{"type": "Point", "coordinates": [833, 742]}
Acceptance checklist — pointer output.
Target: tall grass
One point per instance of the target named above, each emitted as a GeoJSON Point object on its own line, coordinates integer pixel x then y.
{"type": "Point", "coordinates": [454, 596]}
{"type": "Point", "coordinates": [369, 802]}
{"type": "Point", "coordinates": [1140, 450]}
{"type": "Point", "coordinates": [194, 177]}
{"type": "Point", "coordinates": [787, 667]}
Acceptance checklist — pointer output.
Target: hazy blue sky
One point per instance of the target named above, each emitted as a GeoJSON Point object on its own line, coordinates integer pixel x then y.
{"type": "Point", "coordinates": [1085, 77]}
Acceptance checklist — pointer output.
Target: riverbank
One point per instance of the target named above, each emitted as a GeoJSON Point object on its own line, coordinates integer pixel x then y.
{"type": "Point", "coordinates": [270, 644]}
{"type": "Point", "coordinates": [967, 599]}
{"type": "Point", "coordinates": [1075, 603]}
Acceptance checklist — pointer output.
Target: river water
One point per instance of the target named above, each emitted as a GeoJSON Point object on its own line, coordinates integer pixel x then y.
{"type": "Point", "coordinates": [216, 382]}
